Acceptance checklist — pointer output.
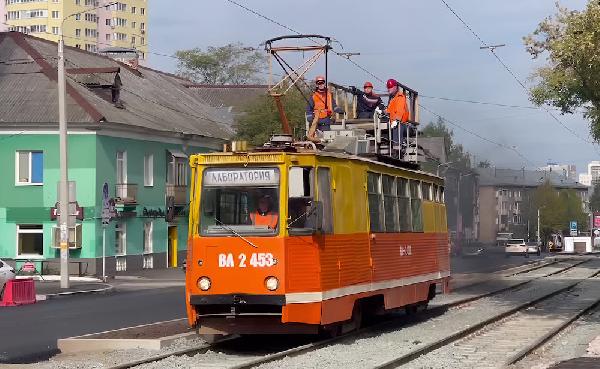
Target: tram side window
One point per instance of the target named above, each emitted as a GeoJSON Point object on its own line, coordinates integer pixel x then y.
{"type": "Point", "coordinates": [405, 215]}
{"type": "Point", "coordinates": [436, 193]}
{"type": "Point", "coordinates": [427, 194]}
{"type": "Point", "coordinates": [390, 204]}
{"type": "Point", "coordinates": [374, 191]}
{"type": "Point", "coordinates": [324, 196]}
{"type": "Point", "coordinates": [416, 206]}
{"type": "Point", "coordinates": [300, 197]}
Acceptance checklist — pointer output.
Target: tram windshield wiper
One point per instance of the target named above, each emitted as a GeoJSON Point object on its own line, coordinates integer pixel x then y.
{"type": "Point", "coordinates": [235, 233]}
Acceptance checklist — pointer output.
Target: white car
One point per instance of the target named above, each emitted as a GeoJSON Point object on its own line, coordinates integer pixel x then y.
{"type": "Point", "coordinates": [520, 247]}
{"type": "Point", "coordinates": [6, 273]}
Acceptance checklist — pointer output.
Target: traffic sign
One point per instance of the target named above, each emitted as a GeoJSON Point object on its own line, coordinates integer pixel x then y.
{"type": "Point", "coordinates": [108, 206]}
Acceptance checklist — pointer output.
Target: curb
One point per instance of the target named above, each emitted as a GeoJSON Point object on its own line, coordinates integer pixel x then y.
{"type": "Point", "coordinates": [51, 296]}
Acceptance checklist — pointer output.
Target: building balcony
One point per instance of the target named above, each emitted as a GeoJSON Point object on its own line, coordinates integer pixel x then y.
{"type": "Point", "coordinates": [126, 193]}
{"type": "Point", "coordinates": [179, 194]}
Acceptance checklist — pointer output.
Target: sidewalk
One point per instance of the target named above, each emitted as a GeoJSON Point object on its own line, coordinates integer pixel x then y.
{"type": "Point", "coordinates": [49, 286]}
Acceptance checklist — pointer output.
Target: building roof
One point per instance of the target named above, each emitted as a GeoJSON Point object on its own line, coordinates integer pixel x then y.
{"type": "Point", "coordinates": [498, 177]}
{"type": "Point", "coordinates": [150, 100]}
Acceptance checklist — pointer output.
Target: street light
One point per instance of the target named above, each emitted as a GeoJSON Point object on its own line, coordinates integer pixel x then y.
{"type": "Point", "coordinates": [63, 197]}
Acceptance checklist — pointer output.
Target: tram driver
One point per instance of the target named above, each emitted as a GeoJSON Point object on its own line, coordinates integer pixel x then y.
{"type": "Point", "coordinates": [265, 215]}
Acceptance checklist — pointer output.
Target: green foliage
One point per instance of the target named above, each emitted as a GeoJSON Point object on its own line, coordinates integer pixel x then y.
{"type": "Point", "coordinates": [595, 198]}
{"type": "Point", "coordinates": [558, 208]}
{"type": "Point", "coordinates": [571, 79]}
{"type": "Point", "coordinates": [229, 64]}
{"type": "Point", "coordinates": [261, 118]}
{"type": "Point", "coordinates": [457, 155]}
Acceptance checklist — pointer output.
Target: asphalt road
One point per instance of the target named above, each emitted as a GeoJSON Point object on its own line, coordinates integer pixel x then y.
{"type": "Point", "coordinates": [29, 333]}
{"type": "Point", "coordinates": [491, 260]}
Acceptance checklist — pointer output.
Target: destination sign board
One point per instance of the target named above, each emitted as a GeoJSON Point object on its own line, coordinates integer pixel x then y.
{"type": "Point", "coordinates": [241, 177]}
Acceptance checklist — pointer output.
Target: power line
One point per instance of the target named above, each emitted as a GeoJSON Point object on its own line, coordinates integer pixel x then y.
{"type": "Point", "coordinates": [381, 80]}
{"type": "Point", "coordinates": [514, 76]}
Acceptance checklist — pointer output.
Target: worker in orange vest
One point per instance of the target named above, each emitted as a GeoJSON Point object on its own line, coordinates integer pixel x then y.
{"type": "Point", "coordinates": [322, 104]}
{"type": "Point", "coordinates": [264, 214]}
{"type": "Point", "coordinates": [398, 111]}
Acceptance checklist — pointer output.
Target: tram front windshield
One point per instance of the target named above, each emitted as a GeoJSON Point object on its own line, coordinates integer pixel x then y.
{"type": "Point", "coordinates": [238, 202]}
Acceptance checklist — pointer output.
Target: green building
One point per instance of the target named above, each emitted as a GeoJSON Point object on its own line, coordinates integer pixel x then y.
{"type": "Point", "coordinates": [132, 128]}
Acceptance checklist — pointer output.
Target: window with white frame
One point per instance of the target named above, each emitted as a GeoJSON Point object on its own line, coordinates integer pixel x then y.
{"type": "Point", "coordinates": [55, 14]}
{"type": "Point", "coordinates": [177, 170]}
{"type": "Point", "coordinates": [29, 167]}
{"type": "Point", "coordinates": [142, 11]}
{"type": "Point", "coordinates": [77, 32]}
{"type": "Point", "coordinates": [120, 238]}
{"type": "Point", "coordinates": [30, 240]}
{"type": "Point", "coordinates": [133, 10]}
{"type": "Point", "coordinates": [55, 30]}
{"type": "Point", "coordinates": [121, 167]}
{"type": "Point", "coordinates": [148, 234]}
{"type": "Point", "coordinates": [149, 170]}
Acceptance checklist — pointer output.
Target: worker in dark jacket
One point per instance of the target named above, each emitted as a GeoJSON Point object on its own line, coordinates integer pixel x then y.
{"type": "Point", "coordinates": [322, 104]}
{"type": "Point", "coordinates": [367, 101]}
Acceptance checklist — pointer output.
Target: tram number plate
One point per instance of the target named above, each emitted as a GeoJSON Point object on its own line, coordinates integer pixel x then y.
{"type": "Point", "coordinates": [256, 260]}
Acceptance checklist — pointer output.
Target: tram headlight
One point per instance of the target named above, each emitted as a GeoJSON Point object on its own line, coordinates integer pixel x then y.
{"type": "Point", "coordinates": [204, 283]}
{"type": "Point", "coordinates": [271, 283]}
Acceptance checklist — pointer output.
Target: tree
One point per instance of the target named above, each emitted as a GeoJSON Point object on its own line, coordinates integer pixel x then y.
{"type": "Point", "coordinates": [595, 198]}
{"type": "Point", "coordinates": [557, 209]}
{"type": "Point", "coordinates": [484, 164]}
{"type": "Point", "coordinates": [455, 152]}
{"type": "Point", "coordinates": [229, 64]}
{"type": "Point", "coordinates": [261, 118]}
{"type": "Point", "coordinates": [571, 79]}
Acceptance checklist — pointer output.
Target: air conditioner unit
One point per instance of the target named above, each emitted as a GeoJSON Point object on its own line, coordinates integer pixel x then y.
{"type": "Point", "coordinates": [74, 237]}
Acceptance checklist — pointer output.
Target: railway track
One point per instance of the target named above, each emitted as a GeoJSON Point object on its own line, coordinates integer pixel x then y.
{"type": "Point", "coordinates": [508, 340]}
{"type": "Point", "coordinates": [215, 356]}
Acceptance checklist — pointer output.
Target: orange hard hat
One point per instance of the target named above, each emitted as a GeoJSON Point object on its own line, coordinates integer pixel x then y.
{"type": "Point", "coordinates": [368, 84]}
{"type": "Point", "coordinates": [320, 78]}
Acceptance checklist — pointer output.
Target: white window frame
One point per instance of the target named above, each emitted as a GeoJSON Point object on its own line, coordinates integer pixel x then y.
{"type": "Point", "coordinates": [19, 183]}
{"type": "Point", "coordinates": [123, 227]}
{"type": "Point", "coordinates": [29, 231]}
{"type": "Point", "coordinates": [148, 237]}
{"type": "Point", "coordinates": [149, 170]}
{"type": "Point", "coordinates": [124, 166]}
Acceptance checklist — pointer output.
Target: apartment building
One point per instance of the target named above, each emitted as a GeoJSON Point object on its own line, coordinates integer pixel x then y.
{"type": "Point", "coordinates": [124, 24]}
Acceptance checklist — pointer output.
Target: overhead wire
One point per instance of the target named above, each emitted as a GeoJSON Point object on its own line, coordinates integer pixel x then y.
{"type": "Point", "coordinates": [513, 149]}
{"type": "Point", "coordinates": [514, 76]}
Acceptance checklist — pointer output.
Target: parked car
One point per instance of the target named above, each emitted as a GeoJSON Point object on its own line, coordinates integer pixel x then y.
{"type": "Point", "coordinates": [534, 248]}
{"type": "Point", "coordinates": [518, 246]}
{"type": "Point", "coordinates": [6, 274]}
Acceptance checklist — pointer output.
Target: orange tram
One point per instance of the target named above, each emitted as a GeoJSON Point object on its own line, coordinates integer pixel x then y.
{"type": "Point", "coordinates": [345, 235]}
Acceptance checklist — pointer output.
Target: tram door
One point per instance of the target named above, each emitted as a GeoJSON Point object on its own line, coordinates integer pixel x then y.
{"type": "Point", "coordinates": [172, 247]}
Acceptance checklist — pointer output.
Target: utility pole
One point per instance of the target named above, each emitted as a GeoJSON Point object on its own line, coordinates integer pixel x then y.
{"type": "Point", "coordinates": [63, 198]}
{"type": "Point", "coordinates": [538, 226]}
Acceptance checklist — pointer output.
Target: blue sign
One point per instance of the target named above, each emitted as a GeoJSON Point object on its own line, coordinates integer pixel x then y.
{"type": "Point", "coordinates": [573, 225]}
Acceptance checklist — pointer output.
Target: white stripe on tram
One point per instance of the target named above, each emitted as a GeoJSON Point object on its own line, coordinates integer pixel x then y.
{"type": "Point", "coordinates": [308, 297]}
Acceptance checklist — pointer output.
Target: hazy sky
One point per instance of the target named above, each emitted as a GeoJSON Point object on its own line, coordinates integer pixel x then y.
{"type": "Point", "coordinates": [419, 43]}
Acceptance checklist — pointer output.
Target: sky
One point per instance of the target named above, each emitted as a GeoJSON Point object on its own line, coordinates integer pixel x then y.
{"type": "Point", "coordinates": [419, 43]}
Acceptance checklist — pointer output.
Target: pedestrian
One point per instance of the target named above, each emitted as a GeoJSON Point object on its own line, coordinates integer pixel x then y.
{"type": "Point", "coordinates": [366, 101]}
{"type": "Point", "coordinates": [321, 106]}
{"type": "Point", "coordinates": [398, 111]}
